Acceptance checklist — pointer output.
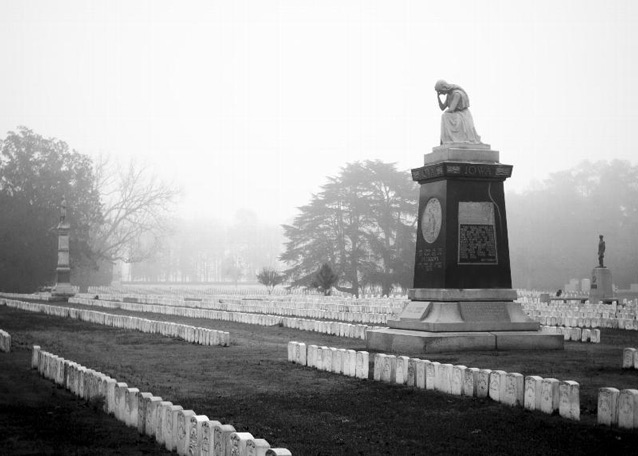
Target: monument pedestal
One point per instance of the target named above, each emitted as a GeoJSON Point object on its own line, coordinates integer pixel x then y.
{"type": "Point", "coordinates": [63, 289]}
{"type": "Point", "coordinates": [462, 297]}
{"type": "Point", "coordinates": [601, 285]}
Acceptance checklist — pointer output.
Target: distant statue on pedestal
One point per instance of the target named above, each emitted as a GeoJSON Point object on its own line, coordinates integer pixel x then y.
{"type": "Point", "coordinates": [601, 251]}
{"type": "Point", "coordinates": [457, 125]}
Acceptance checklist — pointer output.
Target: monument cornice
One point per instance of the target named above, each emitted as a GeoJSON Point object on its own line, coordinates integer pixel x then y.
{"type": "Point", "coordinates": [462, 169]}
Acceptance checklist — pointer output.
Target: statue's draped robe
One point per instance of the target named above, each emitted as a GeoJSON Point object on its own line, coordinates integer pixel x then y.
{"type": "Point", "coordinates": [457, 126]}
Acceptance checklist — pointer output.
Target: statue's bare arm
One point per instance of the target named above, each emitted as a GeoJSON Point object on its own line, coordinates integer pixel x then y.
{"type": "Point", "coordinates": [453, 102]}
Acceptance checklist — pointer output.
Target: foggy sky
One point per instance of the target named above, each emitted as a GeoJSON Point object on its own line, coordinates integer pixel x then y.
{"type": "Point", "coordinates": [251, 104]}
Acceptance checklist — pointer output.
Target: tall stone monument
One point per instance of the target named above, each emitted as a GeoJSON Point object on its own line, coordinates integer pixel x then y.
{"type": "Point", "coordinates": [63, 289]}
{"type": "Point", "coordinates": [601, 288]}
{"type": "Point", "coordinates": [462, 297]}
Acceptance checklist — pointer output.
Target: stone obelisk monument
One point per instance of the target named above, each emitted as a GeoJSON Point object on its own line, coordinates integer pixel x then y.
{"type": "Point", "coordinates": [63, 289]}
{"type": "Point", "coordinates": [462, 297]}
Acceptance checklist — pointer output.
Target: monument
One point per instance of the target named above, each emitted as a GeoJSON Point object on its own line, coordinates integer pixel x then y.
{"type": "Point", "coordinates": [601, 287]}
{"type": "Point", "coordinates": [63, 289]}
{"type": "Point", "coordinates": [462, 297]}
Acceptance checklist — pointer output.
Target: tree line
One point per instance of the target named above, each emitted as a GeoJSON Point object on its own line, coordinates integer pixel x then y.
{"type": "Point", "coordinates": [362, 224]}
{"type": "Point", "coordinates": [117, 212]}
{"type": "Point", "coordinates": [358, 232]}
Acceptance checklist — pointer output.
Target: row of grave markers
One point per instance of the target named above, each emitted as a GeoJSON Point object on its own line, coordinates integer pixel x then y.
{"type": "Point", "coordinates": [291, 303]}
{"type": "Point", "coordinates": [334, 328]}
{"type": "Point", "coordinates": [177, 429]}
{"type": "Point", "coordinates": [532, 392]}
{"type": "Point", "coordinates": [574, 334]}
{"type": "Point", "coordinates": [337, 360]}
{"type": "Point", "coordinates": [547, 395]}
{"type": "Point", "coordinates": [616, 316]}
{"type": "Point", "coordinates": [192, 334]}
{"type": "Point", "coordinates": [5, 341]}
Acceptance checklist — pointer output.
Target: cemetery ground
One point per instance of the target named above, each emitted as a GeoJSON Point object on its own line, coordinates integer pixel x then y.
{"type": "Point", "coordinates": [252, 386]}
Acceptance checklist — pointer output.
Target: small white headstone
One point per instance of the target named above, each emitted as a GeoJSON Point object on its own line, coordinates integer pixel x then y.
{"type": "Point", "coordinates": [595, 336]}
{"type": "Point", "coordinates": [195, 433]}
{"type": "Point", "coordinates": [142, 408]}
{"type": "Point", "coordinates": [628, 355]}
{"type": "Point", "coordinates": [628, 409]}
{"type": "Point", "coordinates": [420, 373]}
{"type": "Point", "coordinates": [208, 437]}
{"type": "Point", "coordinates": [152, 412]}
{"type": "Point", "coordinates": [457, 380]}
{"type": "Point", "coordinates": [221, 441]}
{"type": "Point", "coordinates": [379, 364]}
{"type": "Point", "coordinates": [550, 395]}
{"type": "Point", "coordinates": [312, 355]}
{"type": "Point", "coordinates": [171, 427]}
{"type": "Point", "coordinates": [514, 389]}
{"type": "Point", "coordinates": [131, 407]}
{"type": "Point", "coordinates": [569, 401]}
{"type": "Point", "coordinates": [238, 443]}
{"type": "Point", "coordinates": [182, 435]}
{"type": "Point", "coordinates": [160, 433]}
{"type": "Point", "coordinates": [301, 356]}
{"type": "Point", "coordinates": [362, 369]}
{"type": "Point", "coordinates": [430, 374]}
{"type": "Point", "coordinates": [532, 400]}
{"type": "Point", "coordinates": [326, 361]}
{"type": "Point", "coordinates": [388, 373]}
{"type": "Point", "coordinates": [444, 378]}
{"type": "Point", "coordinates": [336, 360]}
{"type": "Point", "coordinates": [497, 378]}
{"type": "Point", "coordinates": [608, 406]}
{"type": "Point", "coordinates": [470, 381]}
{"type": "Point", "coordinates": [351, 363]}
{"type": "Point", "coordinates": [401, 372]}
{"type": "Point", "coordinates": [292, 346]}
{"type": "Point", "coordinates": [411, 379]}
{"type": "Point", "coordinates": [256, 447]}
{"type": "Point", "coordinates": [278, 452]}
{"type": "Point", "coordinates": [343, 361]}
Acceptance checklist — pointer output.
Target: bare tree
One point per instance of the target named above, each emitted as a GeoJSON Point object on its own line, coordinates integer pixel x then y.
{"type": "Point", "coordinates": [135, 205]}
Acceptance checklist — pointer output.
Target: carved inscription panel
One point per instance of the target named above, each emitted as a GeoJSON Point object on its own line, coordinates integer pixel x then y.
{"type": "Point", "coordinates": [415, 310]}
{"type": "Point", "coordinates": [430, 259]}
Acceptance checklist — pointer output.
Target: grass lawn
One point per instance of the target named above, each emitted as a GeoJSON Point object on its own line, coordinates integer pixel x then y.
{"type": "Point", "coordinates": [252, 386]}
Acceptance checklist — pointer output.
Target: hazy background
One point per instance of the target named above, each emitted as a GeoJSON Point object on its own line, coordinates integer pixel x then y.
{"type": "Point", "coordinates": [251, 104]}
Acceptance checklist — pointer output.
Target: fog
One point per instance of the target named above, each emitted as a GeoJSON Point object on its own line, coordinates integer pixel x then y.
{"type": "Point", "coordinates": [251, 104]}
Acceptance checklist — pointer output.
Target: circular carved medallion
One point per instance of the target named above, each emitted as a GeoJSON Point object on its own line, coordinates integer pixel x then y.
{"type": "Point", "coordinates": [431, 220]}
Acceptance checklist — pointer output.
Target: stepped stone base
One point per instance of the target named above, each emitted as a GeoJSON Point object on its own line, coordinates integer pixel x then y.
{"type": "Point", "coordinates": [62, 292]}
{"type": "Point", "coordinates": [410, 341]}
{"type": "Point", "coordinates": [449, 320]}
{"type": "Point", "coordinates": [469, 310]}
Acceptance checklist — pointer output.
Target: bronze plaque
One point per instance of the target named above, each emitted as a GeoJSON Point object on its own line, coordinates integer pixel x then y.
{"type": "Point", "coordinates": [477, 234]}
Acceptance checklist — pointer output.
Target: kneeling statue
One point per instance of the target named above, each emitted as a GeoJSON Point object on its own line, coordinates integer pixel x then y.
{"type": "Point", "coordinates": [457, 125]}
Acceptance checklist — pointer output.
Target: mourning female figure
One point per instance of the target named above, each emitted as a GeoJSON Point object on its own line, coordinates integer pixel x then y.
{"type": "Point", "coordinates": [457, 125]}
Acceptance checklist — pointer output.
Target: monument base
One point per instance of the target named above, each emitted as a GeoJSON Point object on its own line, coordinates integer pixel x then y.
{"type": "Point", "coordinates": [408, 341]}
{"type": "Point", "coordinates": [62, 291]}
{"type": "Point", "coordinates": [601, 285]}
{"type": "Point", "coordinates": [448, 320]}
{"type": "Point", "coordinates": [468, 310]}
